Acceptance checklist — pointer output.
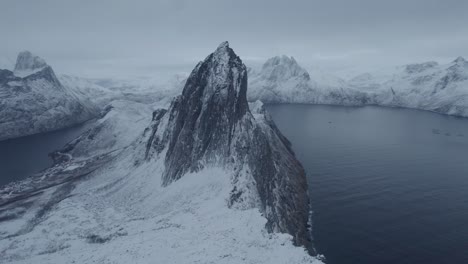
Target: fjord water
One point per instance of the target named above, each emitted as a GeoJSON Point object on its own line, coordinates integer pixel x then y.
{"type": "Point", "coordinates": [386, 185]}
{"type": "Point", "coordinates": [24, 156]}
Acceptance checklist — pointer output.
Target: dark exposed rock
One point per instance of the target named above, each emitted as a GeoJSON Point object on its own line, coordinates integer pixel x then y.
{"type": "Point", "coordinates": [211, 124]}
{"type": "Point", "coordinates": [420, 67]}
{"type": "Point", "coordinates": [6, 76]}
{"type": "Point", "coordinates": [153, 143]}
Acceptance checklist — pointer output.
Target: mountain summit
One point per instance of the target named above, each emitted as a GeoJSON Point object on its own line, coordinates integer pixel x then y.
{"type": "Point", "coordinates": [460, 60]}
{"type": "Point", "coordinates": [281, 79]}
{"type": "Point", "coordinates": [204, 119]}
{"type": "Point", "coordinates": [26, 61]}
{"type": "Point", "coordinates": [281, 68]}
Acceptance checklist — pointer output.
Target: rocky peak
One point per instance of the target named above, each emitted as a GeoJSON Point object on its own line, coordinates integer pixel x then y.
{"type": "Point", "coordinates": [282, 68]}
{"type": "Point", "coordinates": [203, 118]}
{"type": "Point", "coordinates": [31, 67]}
{"type": "Point", "coordinates": [26, 61]}
{"type": "Point", "coordinates": [211, 124]}
{"type": "Point", "coordinates": [219, 81]}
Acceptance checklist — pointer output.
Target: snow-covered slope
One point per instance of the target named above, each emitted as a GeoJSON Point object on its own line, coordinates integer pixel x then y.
{"type": "Point", "coordinates": [121, 123]}
{"type": "Point", "coordinates": [211, 180]}
{"type": "Point", "coordinates": [89, 91]}
{"type": "Point", "coordinates": [143, 90]}
{"type": "Point", "coordinates": [32, 100]}
{"type": "Point", "coordinates": [427, 86]}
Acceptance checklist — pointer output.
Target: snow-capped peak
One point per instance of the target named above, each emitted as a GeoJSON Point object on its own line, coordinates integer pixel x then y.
{"type": "Point", "coordinates": [280, 60]}
{"type": "Point", "coordinates": [213, 100]}
{"type": "Point", "coordinates": [28, 63]}
{"type": "Point", "coordinates": [283, 68]}
{"type": "Point", "coordinates": [219, 69]}
{"type": "Point", "coordinates": [460, 60]}
{"type": "Point", "coordinates": [222, 55]}
{"type": "Point", "coordinates": [223, 45]}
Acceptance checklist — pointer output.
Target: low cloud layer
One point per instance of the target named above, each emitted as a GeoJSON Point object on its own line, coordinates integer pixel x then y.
{"type": "Point", "coordinates": [112, 37]}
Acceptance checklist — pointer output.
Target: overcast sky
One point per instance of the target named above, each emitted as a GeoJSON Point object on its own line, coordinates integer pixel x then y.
{"type": "Point", "coordinates": [107, 37]}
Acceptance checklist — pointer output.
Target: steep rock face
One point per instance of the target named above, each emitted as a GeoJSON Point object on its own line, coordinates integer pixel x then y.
{"type": "Point", "coordinates": [211, 124]}
{"type": "Point", "coordinates": [32, 100]}
{"type": "Point", "coordinates": [205, 115]}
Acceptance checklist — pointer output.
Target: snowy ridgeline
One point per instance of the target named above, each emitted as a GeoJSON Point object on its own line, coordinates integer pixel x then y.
{"type": "Point", "coordinates": [205, 179]}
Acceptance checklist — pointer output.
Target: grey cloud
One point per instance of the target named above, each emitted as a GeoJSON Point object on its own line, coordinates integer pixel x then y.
{"type": "Point", "coordinates": [82, 37]}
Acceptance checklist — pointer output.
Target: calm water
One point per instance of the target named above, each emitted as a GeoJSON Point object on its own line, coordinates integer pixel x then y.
{"type": "Point", "coordinates": [24, 156]}
{"type": "Point", "coordinates": [386, 185]}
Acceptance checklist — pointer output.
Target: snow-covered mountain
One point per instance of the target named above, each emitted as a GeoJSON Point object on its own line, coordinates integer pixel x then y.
{"type": "Point", "coordinates": [280, 79]}
{"type": "Point", "coordinates": [283, 80]}
{"type": "Point", "coordinates": [32, 100]}
{"type": "Point", "coordinates": [210, 180]}
{"type": "Point", "coordinates": [427, 86]}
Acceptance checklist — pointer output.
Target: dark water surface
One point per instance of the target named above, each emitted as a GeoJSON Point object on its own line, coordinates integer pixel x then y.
{"type": "Point", "coordinates": [22, 157]}
{"type": "Point", "coordinates": [386, 185]}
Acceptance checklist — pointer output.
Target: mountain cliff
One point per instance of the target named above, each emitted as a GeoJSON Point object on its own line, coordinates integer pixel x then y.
{"type": "Point", "coordinates": [32, 100]}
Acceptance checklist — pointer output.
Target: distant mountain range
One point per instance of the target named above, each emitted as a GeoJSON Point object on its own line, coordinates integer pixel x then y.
{"type": "Point", "coordinates": [34, 100]}
{"type": "Point", "coordinates": [427, 86]}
